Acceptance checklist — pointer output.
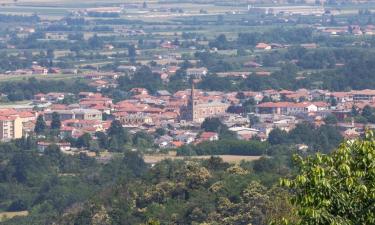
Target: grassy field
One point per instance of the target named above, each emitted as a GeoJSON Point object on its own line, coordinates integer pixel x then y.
{"type": "Point", "coordinates": [9, 215]}
{"type": "Point", "coordinates": [226, 158]}
{"type": "Point", "coordinates": [6, 78]}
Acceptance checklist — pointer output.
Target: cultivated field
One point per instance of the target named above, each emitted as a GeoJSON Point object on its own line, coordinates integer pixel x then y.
{"type": "Point", "coordinates": [9, 215]}
{"type": "Point", "coordinates": [226, 158]}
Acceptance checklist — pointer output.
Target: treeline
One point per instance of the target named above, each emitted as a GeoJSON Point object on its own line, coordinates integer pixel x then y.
{"type": "Point", "coordinates": [25, 90]}
{"type": "Point", "coordinates": [117, 139]}
{"type": "Point", "coordinates": [324, 138]}
{"type": "Point", "coordinates": [344, 69]}
{"type": "Point", "coordinates": [277, 35]}
{"type": "Point", "coordinates": [143, 78]}
{"type": "Point", "coordinates": [225, 147]}
{"type": "Point", "coordinates": [5, 18]}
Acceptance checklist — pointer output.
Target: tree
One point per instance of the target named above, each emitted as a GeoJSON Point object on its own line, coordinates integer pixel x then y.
{"type": "Point", "coordinates": [84, 141]}
{"type": "Point", "coordinates": [160, 132]}
{"type": "Point", "coordinates": [116, 128]}
{"type": "Point", "coordinates": [55, 123]}
{"type": "Point", "coordinates": [212, 125]}
{"type": "Point", "coordinates": [277, 136]}
{"type": "Point", "coordinates": [144, 5]}
{"type": "Point", "coordinates": [354, 111]}
{"type": "Point", "coordinates": [338, 188]}
{"type": "Point", "coordinates": [40, 125]}
{"type": "Point", "coordinates": [331, 119]}
{"type": "Point", "coordinates": [367, 111]}
{"type": "Point", "coordinates": [102, 139]}
{"type": "Point", "coordinates": [132, 53]}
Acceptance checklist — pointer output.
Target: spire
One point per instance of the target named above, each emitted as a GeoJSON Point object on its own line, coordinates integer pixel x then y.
{"type": "Point", "coordinates": [192, 92]}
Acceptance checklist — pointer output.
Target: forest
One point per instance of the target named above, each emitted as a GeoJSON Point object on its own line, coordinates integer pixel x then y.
{"type": "Point", "coordinates": [63, 189]}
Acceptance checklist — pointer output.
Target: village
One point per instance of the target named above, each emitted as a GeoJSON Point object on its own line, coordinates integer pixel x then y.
{"type": "Point", "coordinates": [181, 114]}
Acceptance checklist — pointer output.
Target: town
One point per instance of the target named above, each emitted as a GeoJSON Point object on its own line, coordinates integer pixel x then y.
{"type": "Point", "coordinates": [213, 112]}
{"type": "Point", "coordinates": [180, 115]}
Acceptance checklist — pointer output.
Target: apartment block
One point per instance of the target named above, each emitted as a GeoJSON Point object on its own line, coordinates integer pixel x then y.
{"type": "Point", "coordinates": [10, 128]}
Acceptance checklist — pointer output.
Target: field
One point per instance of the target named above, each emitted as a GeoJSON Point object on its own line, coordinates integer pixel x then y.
{"type": "Point", "coordinates": [6, 78]}
{"type": "Point", "coordinates": [226, 158]}
{"type": "Point", "coordinates": [9, 215]}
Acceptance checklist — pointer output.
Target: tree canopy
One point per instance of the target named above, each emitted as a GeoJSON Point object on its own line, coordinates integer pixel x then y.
{"type": "Point", "coordinates": [338, 188]}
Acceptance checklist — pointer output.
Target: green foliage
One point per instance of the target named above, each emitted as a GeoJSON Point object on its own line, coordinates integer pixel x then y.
{"type": "Point", "coordinates": [277, 136]}
{"type": "Point", "coordinates": [226, 147]}
{"type": "Point", "coordinates": [331, 119]}
{"type": "Point", "coordinates": [323, 138]}
{"type": "Point", "coordinates": [337, 188]}
{"type": "Point", "coordinates": [22, 90]}
{"type": "Point", "coordinates": [212, 125]}
{"type": "Point", "coordinates": [118, 136]}
{"type": "Point", "coordinates": [215, 125]}
{"type": "Point", "coordinates": [369, 114]}
{"type": "Point", "coordinates": [142, 78]}
{"type": "Point", "coordinates": [40, 125]}
{"type": "Point", "coordinates": [55, 123]}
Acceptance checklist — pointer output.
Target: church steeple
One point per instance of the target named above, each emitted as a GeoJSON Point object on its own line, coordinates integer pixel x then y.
{"type": "Point", "coordinates": [193, 101]}
{"type": "Point", "coordinates": [193, 96]}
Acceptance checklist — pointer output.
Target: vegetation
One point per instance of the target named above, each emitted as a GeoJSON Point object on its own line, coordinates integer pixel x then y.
{"type": "Point", "coordinates": [336, 188]}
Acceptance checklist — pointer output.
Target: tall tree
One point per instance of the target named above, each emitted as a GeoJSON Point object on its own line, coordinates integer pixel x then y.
{"type": "Point", "coordinates": [55, 123]}
{"type": "Point", "coordinates": [132, 53]}
{"type": "Point", "coordinates": [40, 125]}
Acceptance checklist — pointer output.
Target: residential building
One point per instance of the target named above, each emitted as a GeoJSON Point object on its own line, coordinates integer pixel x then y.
{"type": "Point", "coordinates": [10, 128]}
{"type": "Point", "coordinates": [286, 108]}
{"type": "Point", "coordinates": [196, 73]}
{"type": "Point", "coordinates": [80, 114]}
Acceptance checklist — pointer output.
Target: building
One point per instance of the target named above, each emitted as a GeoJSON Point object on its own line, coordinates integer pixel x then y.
{"type": "Point", "coordinates": [196, 73]}
{"type": "Point", "coordinates": [49, 97]}
{"type": "Point", "coordinates": [79, 114]}
{"type": "Point", "coordinates": [39, 70]}
{"type": "Point", "coordinates": [198, 111]}
{"type": "Point", "coordinates": [263, 46]}
{"type": "Point", "coordinates": [286, 108]}
{"type": "Point", "coordinates": [10, 128]}
{"type": "Point", "coordinates": [364, 95]}
{"type": "Point", "coordinates": [64, 146]}
{"type": "Point", "coordinates": [136, 119]}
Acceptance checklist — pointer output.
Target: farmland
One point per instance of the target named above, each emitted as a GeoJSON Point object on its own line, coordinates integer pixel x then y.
{"type": "Point", "coordinates": [152, 159]}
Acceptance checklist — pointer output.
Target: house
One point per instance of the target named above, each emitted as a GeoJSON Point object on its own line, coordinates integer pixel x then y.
{"type": "Point", "coordinates": [175, 144]}
{"type": "Point", "coordinates": [341, 97]}
{"type": "Point", "coordinates": [49, 97]}
{"type": "Point", "coordinates": [64, 146]}
{"type": "Point", "coordinates": [163, 93]}
{"type": "Point", "coordinates": [136, 119]}
{"type": "Point", "coordinates": [197, 73]}
{"type": "Point", "coordinates": [100, 75]}
{"type": "Point", "coordinates": [186, 137]}
{"type": "Point", "coordinates": [263, 46]}
{"type": "Point", "coordinates": [244, 133]}
{"type": "Point", "coordinates": [39, 70]}
{"type": "Point", "coordinates": [164, 141]}
{"type": "Point", "coordinates": [126, 69]}
{"type": "Point", "coordinates": [209, 136]}
{"type": "Point", "coordinates": [139, 91]}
